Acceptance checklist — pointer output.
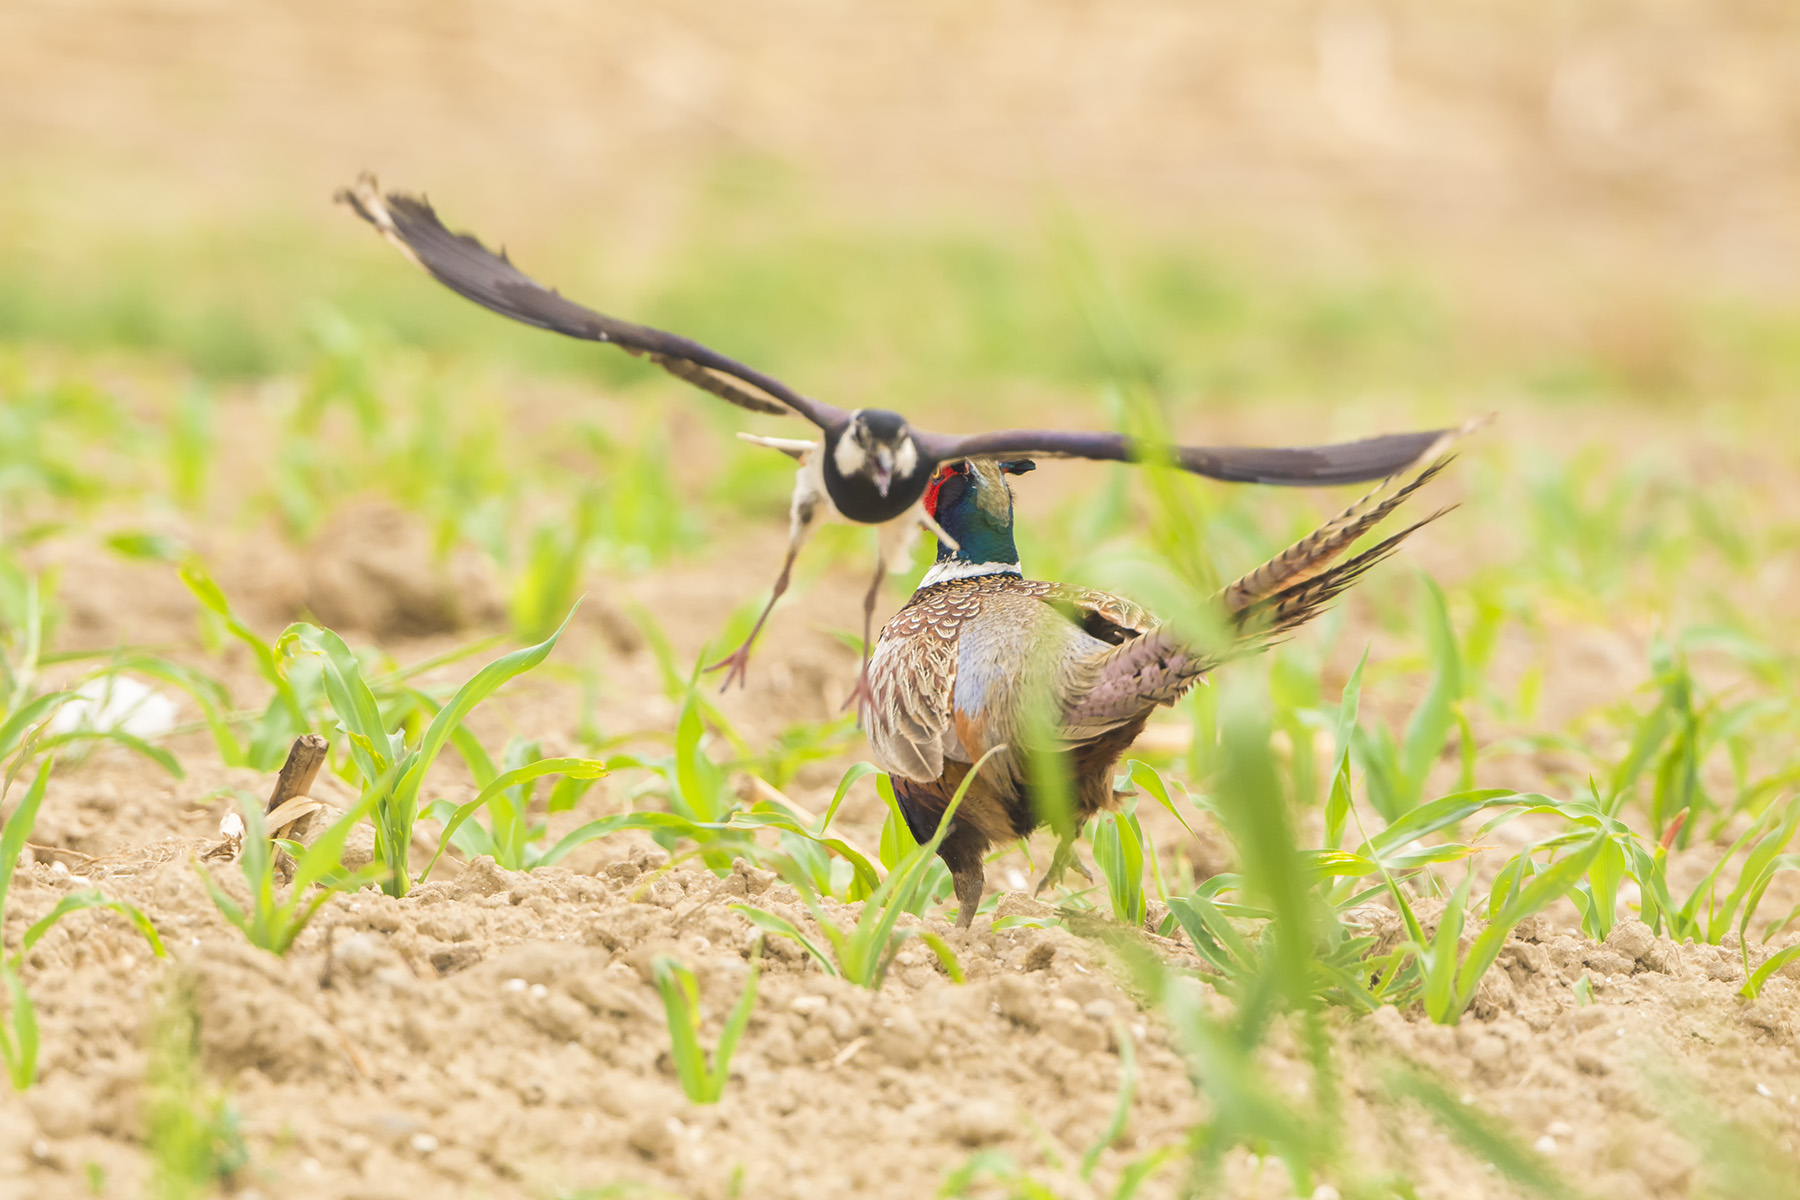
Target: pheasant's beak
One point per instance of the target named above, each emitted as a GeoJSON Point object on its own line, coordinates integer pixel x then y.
{"type": "Point", "coordinates": [883, 470]}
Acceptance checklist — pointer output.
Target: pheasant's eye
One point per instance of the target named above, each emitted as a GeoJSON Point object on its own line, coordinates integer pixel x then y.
{"type": "Point", "coordinates": [944, 474]}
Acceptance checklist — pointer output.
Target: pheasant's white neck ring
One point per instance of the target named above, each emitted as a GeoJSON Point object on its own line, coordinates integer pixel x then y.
{"type": "Point", "coordinates": [946, 569]}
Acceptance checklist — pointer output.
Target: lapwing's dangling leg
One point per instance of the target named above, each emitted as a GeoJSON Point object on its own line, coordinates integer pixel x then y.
{"type": "Point", "coordinates": [803, 516]}
{"type": "Point", "coordinates": [859, 695]}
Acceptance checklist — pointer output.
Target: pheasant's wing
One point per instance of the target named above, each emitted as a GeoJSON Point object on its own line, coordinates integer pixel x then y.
{"type": "Point", "coordinates": [461, 263]}
{"type": "Point", "coordinates": [1101, 615]}
{"type": "Point", "coordinates": [1290, 466]}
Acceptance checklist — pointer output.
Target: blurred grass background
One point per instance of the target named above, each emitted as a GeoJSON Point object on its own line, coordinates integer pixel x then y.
{"type": "Point", "coordinates": [1444, 204]}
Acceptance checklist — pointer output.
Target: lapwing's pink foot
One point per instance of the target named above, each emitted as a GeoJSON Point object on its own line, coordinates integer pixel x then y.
{"type": "Point", "coordinates": [860, 695]}
{"type": "Point", "coordinates": [739, 663]}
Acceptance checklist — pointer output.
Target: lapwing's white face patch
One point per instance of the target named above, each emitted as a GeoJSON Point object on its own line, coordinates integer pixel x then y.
{"type": "Point", "coordinates": [850, 455]}
{"type": "Point", "coordinates": [906, 457]}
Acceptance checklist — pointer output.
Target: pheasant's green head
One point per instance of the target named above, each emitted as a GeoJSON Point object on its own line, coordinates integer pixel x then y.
{"type": "Point", "coordinates": [971, 501]}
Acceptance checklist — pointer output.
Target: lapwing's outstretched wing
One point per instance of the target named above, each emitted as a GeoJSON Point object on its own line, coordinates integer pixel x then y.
{"type": "Point", "coordinates": [461, 263]}
{"type": "Point", "coordinates": [1292, 466]}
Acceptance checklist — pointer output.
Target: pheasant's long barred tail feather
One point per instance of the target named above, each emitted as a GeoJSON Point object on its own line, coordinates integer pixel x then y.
{"type": "Point", "coordinates": [1266, 620]}
{"type": "Point", "coordinates": [1284, 593]}
{"type": "Point", "coordinates": [1313, 554]}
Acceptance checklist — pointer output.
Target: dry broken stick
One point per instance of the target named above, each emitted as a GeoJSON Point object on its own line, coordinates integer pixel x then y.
{"type": "Point", "coordinates": [282, 815]}
{"type": "Point", "coordinates": [290, 809]}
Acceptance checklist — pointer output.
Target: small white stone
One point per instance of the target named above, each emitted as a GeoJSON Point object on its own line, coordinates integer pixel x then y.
{"type": "Point", "coordinates": [513, 985]}
{"type": "Point", "coordinates": [1561, 1129]}
{"type": "Point", "coordinates": [1325, 1192]}
{"type": "Point", "coordinates": [310, 1166]}
{"type": "Point", "coordinates": [1762, 1089]}
{"type": "Point", "coordinates": [808, 1005]}
{"type": "Point", "coordinates": [1545, 1145]}
{"type": "Point", "coordinates": [1468, 1097]}
{"type": "Point", "coordinates": [539, 991]}
{"type": "Point", "coordinates": [424, 1143]}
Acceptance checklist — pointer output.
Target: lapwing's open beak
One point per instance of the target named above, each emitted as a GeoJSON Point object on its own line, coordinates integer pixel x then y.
{"type": "Point", "coordinates": [884, 470]}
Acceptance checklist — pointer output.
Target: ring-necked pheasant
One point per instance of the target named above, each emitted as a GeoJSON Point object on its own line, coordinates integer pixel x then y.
{"type": "Point", "coordinates": [956, 670]}
{"type": "Point", "coordinates": [866, 465]}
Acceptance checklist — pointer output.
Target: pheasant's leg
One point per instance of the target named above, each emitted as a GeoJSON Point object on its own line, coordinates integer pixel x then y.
{"type": "Point", "coordinates": [962, 851]}
{"type": "Point", "coordinates": [969, 885]}
{"type": "Point", "coordinates": [1064, 858]}
{"type": "Point", "coordinates": [803, 515]}
{"type": "Point", "coordinates": [860, 696]}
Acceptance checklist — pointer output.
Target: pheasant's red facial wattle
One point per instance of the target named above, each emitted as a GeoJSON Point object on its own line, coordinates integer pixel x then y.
{"type": "Point", "coordinates": [930, 500]}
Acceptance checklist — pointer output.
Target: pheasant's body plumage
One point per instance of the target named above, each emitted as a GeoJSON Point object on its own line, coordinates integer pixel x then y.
{"type": "Point", "coordinates": [952, 678]}
{"type": "Point", "coordinates": [958, 670]}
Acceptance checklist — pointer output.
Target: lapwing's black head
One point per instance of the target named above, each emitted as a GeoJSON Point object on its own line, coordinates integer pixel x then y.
{"type": "Point", "coordinates": [874, 470]}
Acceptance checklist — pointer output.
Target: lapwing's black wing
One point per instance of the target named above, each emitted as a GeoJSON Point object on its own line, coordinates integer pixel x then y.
{"type": "Point", "coordinates": [1290, 466]}
{"type": "Point", "coordinates": [461, 263]}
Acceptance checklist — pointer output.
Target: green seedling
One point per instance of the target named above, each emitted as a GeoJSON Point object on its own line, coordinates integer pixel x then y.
{"type": "Point", "coordinates": [192, 440]}
{"type": "Point", "coordinates": [897, 843]}
{"type": "Point", "coordinates": [1687, 729]}
{"type": "Point", "coordinates": [549, 584]}
{"type": "Point", "coordinates": [273, 921]}
{"type": "Point", "coordinates": [286, 716]}
{"type": "Point", "coordinates": [192, 1132]}
{"type": "Point", "coordinates": [703, 1083]}
{"type": "Point", "coordinates": [1395, 770]}
{"type": "Point", "coordinates": [1119, 856]}
{"type": "Point", "coordinates": [863, 953]}
{"type": "Point", "coordinates": [512, 837]}
{"type": "Point", "coordinates": [1121, 1104]}
{"type": "Point", "coordinates": [1451, 977]}
{"type": "Point", "coordinates": [392, 768]}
